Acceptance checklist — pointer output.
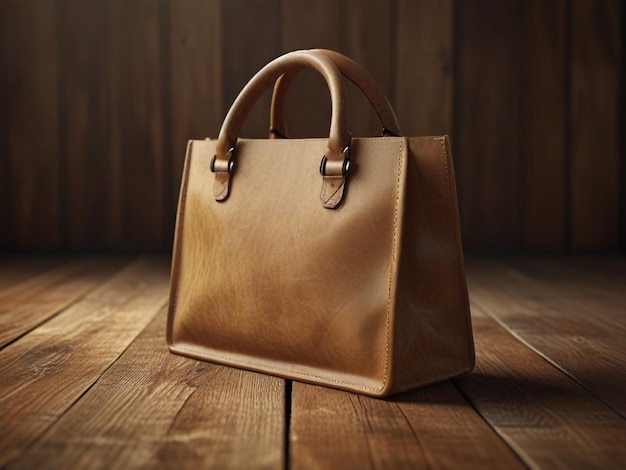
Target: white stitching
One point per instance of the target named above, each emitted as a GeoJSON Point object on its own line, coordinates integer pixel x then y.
{"type": "Point", "coordinates": [458, 248]}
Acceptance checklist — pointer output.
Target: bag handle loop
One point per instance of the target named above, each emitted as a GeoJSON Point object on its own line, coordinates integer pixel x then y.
{"type": "Point", "coordinates": [353, 72]}
{"type": "Point", "coordinates": [334, 164]}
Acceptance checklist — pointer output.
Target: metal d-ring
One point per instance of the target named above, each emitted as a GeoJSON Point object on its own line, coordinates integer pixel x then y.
{"type": "Point", "coordinates": [346, 163]}
{"type": "Point", "coordinates": [231, 161]}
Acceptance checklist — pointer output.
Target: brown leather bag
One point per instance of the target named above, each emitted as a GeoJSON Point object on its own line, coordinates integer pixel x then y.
{"type": "Point", "coordinates": [332, 261]}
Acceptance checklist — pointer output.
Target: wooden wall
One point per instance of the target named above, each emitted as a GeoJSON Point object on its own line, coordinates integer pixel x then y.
{"type": "Point", "coordinates": [98, 97]}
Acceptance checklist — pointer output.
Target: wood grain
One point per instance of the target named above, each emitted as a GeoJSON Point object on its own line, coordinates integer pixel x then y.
{"type": "Point", "coordinates": [95, 386]}
{"type": "Point", "coordinates": [208, 416]}
{"type": "Point", "coordinates": [86, 102]}
{"type": "Point", "coordinates": [46, 372]}
{"type": "Point", "coordinates": [307, 25]}
{"type": "Point", "coordinates": [558, 324]}
{"type": "Point", "coordinates": [449, 432]}
{"type": "Point", "coordinates": [368, 38]}
{"type": "Point", "coordinates": [30, 125]}
{"type": "Point", "coordinates": [589, 283]}
{"type": "Point", "coordinates": [135, 125]}
{"type": "Point", "coordinates": [543, 147]}
{"type": "Point", "coordinates": [545, 417]}
{"type": "Point", "coordinates": [240, 61]}
{"type": "Point", "coordinates": [196, 102]}
{"type": "Point", "coordinates": [27, 304]}
{"type": "Point", "coordinates": [594, 123]}
{"type": "Point", "coordinates": [424, 92]}
{"type": "Point", "coordinates": [97, 98]}
{"type": "Point", "coordinates": [432, 427]}
{"type": "Point", "coordinates": [487, 128]}
{"type": "Point", "coordinates": [5, 156]}
{"type": "Point", "coordinates": [16, 269]}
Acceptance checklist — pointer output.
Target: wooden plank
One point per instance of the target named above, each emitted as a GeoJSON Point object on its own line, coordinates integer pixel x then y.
{"type": "Point", "coordinates": [430, 427]}
{"type": "Point", "coordinates": [544, 123]}
{"type": "Point", "coordinates": [5, 192]}
{"type": "Point", "coordinates": [46, 372]}
{"type": "Point", "coordinates": [368, 40]}
{"type": "Point", "coordinates": [195, 59]}
{"type": "Point", "coordinates": [425, 66]}
{"type": "Point", "coordinates": [26, 305]}
{"type": "Point", "coordinates": [545, 417]}
{"type": "Point", "coordinates": [307, 25]}
{"type": "Point", "coordinates": [86, 100]}
{"type": "Point", "coordinates": [135, 125]}
{"type": "Point", "coordinates": [248, 23]}
{"type": "Point", "coordinates": [30, 146]}
{"type": "Point", "coordinates": [185, 414]}
{"type": "Point", "coordinates": [16, 269]}
{"type": "Point", "coordinates": [540, 292]}
{"type": "Point", "coordinates": [599, 268]}
{"type": "Point", "coordinates": [595, 131]}
{"type": "Point", "coordinates": [558, 325]}
{"type": "Point", "coordinates": [590, 285]}
{"type": "Point", "coordinates": [487, 127]}
{"type": "Point", "coordinates": [596, 299]}
{"type": "Point", "coordinates": [622, 107]}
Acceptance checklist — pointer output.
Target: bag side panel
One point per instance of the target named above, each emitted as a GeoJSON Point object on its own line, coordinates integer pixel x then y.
{"type": "Point", "coordinates": [176, 251]}
{"type": "Point", "coordinates": [433, 337]}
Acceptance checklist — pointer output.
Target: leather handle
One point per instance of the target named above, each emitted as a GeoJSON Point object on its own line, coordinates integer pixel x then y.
{"type": "Point", "coordinates": [339, 136]}
{"type": "Point", "coordinates": [353, 72]}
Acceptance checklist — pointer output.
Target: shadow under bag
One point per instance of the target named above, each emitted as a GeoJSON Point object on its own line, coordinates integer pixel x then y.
{"type": "Point", "coordinates": [332, 261]}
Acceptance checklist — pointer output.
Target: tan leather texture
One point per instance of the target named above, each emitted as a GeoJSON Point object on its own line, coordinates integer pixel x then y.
{"type": "Point", "coordinates": [339, 137]}
{"type": "Point", "coordinates": [369, 297]}
{"type": "Point", "coordinates": [352, 71]}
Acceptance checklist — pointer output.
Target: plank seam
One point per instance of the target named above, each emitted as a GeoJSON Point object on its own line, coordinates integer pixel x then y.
{"type": "Point", "coordinates": [413, 433]}
{"type": "Point", "coordinates": [393, 53]}
{"type": "Point", "coordinates": [62, 308]}
{"type": "Point", "coordinates": [87, 389]}
{"type": "Point", "coordinates": [621, 245]}
{"type": "Point", "coordinates": [607, 324]}
{"type": "Point", "coordinates": [287, 436]}
{"type": "Point", "coordinates": [520, 272]}
{"type": "Point", "coordinates": [61, 72]}
{"type": "Point", "coordinates": [568, 160]}
{"type": "Point", "coordinates": [513, 333]}
{"type": "Point", "coordinates": [182, 407]}
{"type": "Point", "coordinates": [165, 38]}
{"type": "Point", "coordinates": [503, 438]}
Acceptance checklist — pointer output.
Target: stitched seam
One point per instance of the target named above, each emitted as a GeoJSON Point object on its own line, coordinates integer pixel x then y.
{"type": "Point", "coordinates": [458, 248]}
{"type": "Point", "coordinates": [179, 242]}
{"type": "Point", "coordinates": [221, 186]}
{"type": "Point", "coordinates": [324, 195]}
{"type": "Point", "coordinates": [261, 366]}
{"type": "Point", "coordinates": [392, 264]}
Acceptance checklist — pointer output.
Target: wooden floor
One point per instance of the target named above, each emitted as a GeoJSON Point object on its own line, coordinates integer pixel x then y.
{"type": "Point", "coordinates": [86, 380]}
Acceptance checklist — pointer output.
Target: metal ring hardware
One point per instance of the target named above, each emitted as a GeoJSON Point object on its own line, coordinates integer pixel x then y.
{"type": "Point", "coordinates": [388, 133]}
{"type": "Point", "coordinates": [231, 161]}
{"type": "Point", "coordinates": [346, 163]}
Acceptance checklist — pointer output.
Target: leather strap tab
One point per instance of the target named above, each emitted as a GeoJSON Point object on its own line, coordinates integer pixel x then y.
{"type": "Point", "coordinates": [339, 136]}
{"type": "Point", "coordinates": [333, 188]}
{"type": "Point", "coordinates": [221, 186]}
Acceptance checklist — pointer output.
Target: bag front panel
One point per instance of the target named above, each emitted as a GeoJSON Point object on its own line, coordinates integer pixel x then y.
{"type": "Point", "coordinates": [270, 280]}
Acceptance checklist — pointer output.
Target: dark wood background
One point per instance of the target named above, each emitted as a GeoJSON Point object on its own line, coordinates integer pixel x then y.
{"type": "Point", "coordinates": [98, 97]}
